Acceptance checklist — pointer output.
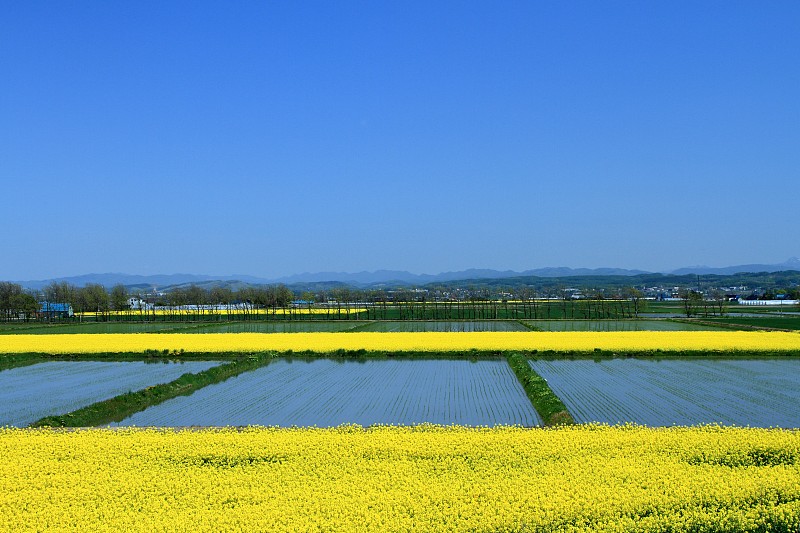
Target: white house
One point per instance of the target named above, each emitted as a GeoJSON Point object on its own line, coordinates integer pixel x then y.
{"type": "Point", "coordinates": [138, 304]}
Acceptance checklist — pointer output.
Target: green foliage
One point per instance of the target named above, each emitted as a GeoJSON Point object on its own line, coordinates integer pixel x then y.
{"type": "Point", "coordinates": [15, 302]}
{"type": "Point", "coordinates": [122, 406]}
{"type": "Point", "coordinates": [771, 322]}
{"type": "Point", "coordinates": [544, 400]}
{"type": "Point", "coordinates": [9, 361]}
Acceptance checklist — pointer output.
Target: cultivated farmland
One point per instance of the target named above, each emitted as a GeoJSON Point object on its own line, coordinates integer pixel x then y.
{"type": "Point", "coordinates": [98, 327]}
{"type": "Point", "coordinates": [744, 392]}
{"type": "Point", "coordinates": [580, 341]}
{"type": "Point", "coordinates": [420, 326]}
{"type": "Point", "coordinates": [326, 392]}
{"type": "Point", "coordinates": [617, 325]}
{"type": "Point", "coordinates": [427, 479]}
{"type": "Point", "coordinates": [417, 476]}
{"type": "Point", "coordinates": [278, 327]}
{"type": "Point", "coordinates": [32, 392]}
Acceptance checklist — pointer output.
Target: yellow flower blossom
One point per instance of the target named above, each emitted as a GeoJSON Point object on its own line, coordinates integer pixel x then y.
{"type": "Point", "coordinates": [424, 478]}
{"type": "Point", "coordinates": [580, 341]}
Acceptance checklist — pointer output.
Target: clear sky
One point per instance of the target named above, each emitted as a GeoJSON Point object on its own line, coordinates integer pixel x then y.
{"type": "Point", "coordinates": [271, 138]}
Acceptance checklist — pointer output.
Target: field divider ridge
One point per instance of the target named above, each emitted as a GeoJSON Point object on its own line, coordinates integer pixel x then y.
{"type": "Point", "coordinates": [549, 406]}
{"type": "Point", "coordinates": [122, 406]}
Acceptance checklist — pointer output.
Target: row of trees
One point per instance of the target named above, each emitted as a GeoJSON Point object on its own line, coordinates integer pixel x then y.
{"type": "Point", "coordinates": [17, 303]}
{"type": "Point", "coordinates": [695, 304]}
{"type": "Point", "coordinates": [340, 302]}
{"type": "Point", "coordinates": [433, 303]}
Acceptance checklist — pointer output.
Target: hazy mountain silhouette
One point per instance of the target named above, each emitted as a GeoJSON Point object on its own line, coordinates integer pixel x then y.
{"type": "Point", "coordinates": [392, 276]}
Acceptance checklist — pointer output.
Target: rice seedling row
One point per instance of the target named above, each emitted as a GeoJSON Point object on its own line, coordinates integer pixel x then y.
{"type": "Point", "coordinates": [746, 392]}
{"type": "Point", "coordinates": [326, 392]}
{"type": "Point", "coordinates": [55, 387]}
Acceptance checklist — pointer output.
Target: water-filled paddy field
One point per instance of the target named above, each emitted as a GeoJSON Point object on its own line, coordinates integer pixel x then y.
{"type": "Point", "coordinates": [56, 387]}
{"type": "Point", "coordinates": [382, 326]}
{"type": "Point", "coordinates": [742, 392]}
{"type": "Point", "coordinates": [278, 327]}
{"type": "Point", "coordinates": [419, 326]}
{"type": "Point", "coordinates": [327, 392]}
{"type": "Point", "coordinates": [358, 375]}
{"type": "Point", "coordinates": [99, 327]}
{"type": "Point", "coordinates": [617, 325]}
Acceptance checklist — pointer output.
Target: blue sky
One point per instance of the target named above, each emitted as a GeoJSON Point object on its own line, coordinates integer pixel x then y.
{"type": "Point", "coordinates": [271, 138]}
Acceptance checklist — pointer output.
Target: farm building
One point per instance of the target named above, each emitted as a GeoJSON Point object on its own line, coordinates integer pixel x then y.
{"type": "Point", "coordinates": [50, 310]}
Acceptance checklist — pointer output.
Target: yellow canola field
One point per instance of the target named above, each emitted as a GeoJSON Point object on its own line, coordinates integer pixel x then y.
{"type": "Point", "coordinates": [747, 341]}
{"type": "Point", "coordinates": [425, 478]}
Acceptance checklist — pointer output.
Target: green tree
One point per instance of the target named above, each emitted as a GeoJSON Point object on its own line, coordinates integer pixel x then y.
{"type": "Point", "coordinates": [221, 296]}
{"type": "Point", "coordinates": [14, 302]}
{"type": "Point", "coordinates": [720, 302]}
{"type": "Point", "coordinates": [692, 300]}
{"type": "Point", "coordinates": [196, 295]}
{"type": "Point", "coordinates": [636, 298]}
{"type": "Point", "coordinates": [308, 297]}
{"type": "Point", "coordinates": [26, 305]}
{"type": "Point", "coordinates": [61, 292]}
{"type": "Point", "coordinates": [92, 298]}
{"type": "Point", "coordinates": [119, 298]}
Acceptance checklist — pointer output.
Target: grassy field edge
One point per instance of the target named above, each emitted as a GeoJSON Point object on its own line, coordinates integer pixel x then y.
{"type": "Point", "coordinates": [120, 407]}
{"type": "Point", "coordinates": [544, 400]}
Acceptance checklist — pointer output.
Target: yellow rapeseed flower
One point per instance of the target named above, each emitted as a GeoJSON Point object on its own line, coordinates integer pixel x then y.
{"type": "Point", "coordinates": [425, 478]}
{"type": "Point", "coordinates": [581, 341]}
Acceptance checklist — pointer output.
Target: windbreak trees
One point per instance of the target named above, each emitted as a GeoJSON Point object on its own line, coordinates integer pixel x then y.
{"type": "Point", "coordinates": [15, 303]}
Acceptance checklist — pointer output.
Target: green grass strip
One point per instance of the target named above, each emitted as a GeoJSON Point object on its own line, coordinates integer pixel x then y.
{"type": "Point", "coordinates": [751, 323]}
{"type": "Point", "coordinates": [120, 407]}
{"type": "Point", "coordinates": [10, 361]}
{"type": "Point", "coordinates": [544, 400]}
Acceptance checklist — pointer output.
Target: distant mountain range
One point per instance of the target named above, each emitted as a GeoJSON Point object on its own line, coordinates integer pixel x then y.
{"type": "Point", "coordinates": [793, 263]}
{"type": "Point", "coordinates": [392, 277]}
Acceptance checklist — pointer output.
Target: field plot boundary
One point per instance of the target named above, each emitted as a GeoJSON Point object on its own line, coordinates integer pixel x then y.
{"type": "Point", "coordinates": [543, 398]}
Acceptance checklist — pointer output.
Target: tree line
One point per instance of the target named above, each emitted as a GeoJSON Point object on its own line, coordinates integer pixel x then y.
{"type": "Point", "coordinates": [17, 303]}
{"type": "Point", "coordinates": [435, 302]}
{"type": "Point", "coordinates": [197, 302]}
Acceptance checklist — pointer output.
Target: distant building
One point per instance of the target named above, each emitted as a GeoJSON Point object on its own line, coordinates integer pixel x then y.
{"type": "Point", "coordinates": [50, 310]}
{"type": "Point", "coordinates": [769, 302]}
{"type": "Point", "coordinates": [138, 304]}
